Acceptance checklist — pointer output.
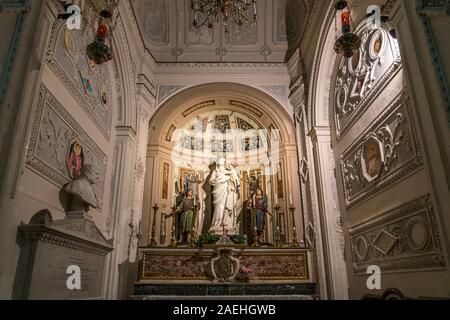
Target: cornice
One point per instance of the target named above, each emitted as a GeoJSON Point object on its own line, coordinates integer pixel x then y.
{"type": "Point", "coordinates": [198, 67]}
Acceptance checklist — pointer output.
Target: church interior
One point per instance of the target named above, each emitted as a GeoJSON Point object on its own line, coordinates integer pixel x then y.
{"type": "Point", "coordinates": [231, 148]}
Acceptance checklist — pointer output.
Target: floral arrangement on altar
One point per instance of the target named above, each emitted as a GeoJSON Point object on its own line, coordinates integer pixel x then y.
{"type": "Point", "coordinates": [208, 238]}
{"type": "Point", "coordinates": [244, 273]}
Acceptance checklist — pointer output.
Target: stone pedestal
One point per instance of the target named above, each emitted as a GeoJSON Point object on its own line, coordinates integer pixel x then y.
{"type": "Point", "coordinates": [48, 248]}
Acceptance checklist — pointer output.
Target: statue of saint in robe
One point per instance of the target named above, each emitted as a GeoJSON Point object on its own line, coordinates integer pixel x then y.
{"type": "Point", "coordinates": [186, 214]}
{"type": "Point", "coordinates": [226, 200]}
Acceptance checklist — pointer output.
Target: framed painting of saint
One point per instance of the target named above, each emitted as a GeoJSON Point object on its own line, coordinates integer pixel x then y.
{"type": "Point", "coordinates": [75, 160]}
{"type": "Point", "coordinates": [372, 159]}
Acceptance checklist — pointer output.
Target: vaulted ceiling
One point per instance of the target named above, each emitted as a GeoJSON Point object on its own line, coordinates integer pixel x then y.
{"type": "Point", "coordinates": [166, 28]}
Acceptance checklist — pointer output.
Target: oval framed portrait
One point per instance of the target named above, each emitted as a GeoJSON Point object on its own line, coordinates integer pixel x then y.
{"type": "Point", "coordinates": [104, 95]}
{"type": "Point", "coordinates": [372, 158]}
{"type": "Point", "coordinates": [377, 44]}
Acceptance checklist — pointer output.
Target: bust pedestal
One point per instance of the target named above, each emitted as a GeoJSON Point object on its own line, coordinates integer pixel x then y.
{"type": "Point", "coordinates": [47, 250]}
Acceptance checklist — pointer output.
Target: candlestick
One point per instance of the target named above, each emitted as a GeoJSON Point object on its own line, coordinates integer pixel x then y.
{"type": "Point", "coordinates": [255, 230]}
{"type": "Point", "coordinates": [153, 240]}
{"type": "Point", "coordinates": [277, 227]}
{"type": "Point", "coordinates": [194, 219]}
{"type": "Point", "coordinates": [173, 237]}
{"type": "Point", "coordinates": [294, 230]}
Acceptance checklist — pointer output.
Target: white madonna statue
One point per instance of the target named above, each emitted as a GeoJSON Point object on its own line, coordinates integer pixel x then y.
{"type": "Point", "coordinates": [226, 200]}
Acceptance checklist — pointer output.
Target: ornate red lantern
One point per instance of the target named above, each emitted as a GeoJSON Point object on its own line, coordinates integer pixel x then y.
{"type": "Point", "coordinates": [348, 42]}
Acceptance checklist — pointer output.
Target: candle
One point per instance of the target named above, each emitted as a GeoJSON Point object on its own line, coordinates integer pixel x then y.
{"type": "Point", "coordinates": [276, 198]}
{"type": "Point", "coordinates": [290, 200]}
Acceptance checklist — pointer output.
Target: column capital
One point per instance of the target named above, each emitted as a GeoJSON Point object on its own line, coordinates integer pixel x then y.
{"type": "Point", "coordinates": [320, 133]}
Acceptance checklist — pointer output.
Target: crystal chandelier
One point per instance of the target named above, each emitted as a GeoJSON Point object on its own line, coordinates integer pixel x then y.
{"type": "Point", "coordinates": [237, 12]}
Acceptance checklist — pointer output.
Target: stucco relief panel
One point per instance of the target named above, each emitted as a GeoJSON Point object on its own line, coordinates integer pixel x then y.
{"type": "Point", "coordinates": [89, 83]}
{"type": "Point", "coordinates": [405, 238]}
{"type": "Point", "coordinates": [387, 152]}
{"type": "Point", "coordinates": [360, 79]}
{"type": "Point", "coordinates": [53, 132]}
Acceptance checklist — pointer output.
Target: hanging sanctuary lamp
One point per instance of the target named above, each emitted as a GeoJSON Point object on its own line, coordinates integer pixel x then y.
{"type": "Point", "coordinates": [98, 51]}
{"type": "Point", "coordinates": [348, 42]}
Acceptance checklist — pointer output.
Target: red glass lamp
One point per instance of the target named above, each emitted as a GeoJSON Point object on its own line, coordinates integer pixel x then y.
{"type": "Point", "coordinates": [348, 42]}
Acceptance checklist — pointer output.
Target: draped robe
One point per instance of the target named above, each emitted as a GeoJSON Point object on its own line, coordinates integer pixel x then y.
{"type": "Point", "coordinates": [226, 201]}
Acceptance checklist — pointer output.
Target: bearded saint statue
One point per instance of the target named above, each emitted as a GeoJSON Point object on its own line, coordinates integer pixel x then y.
{"type": "Point", "coordinates": [226, 200]}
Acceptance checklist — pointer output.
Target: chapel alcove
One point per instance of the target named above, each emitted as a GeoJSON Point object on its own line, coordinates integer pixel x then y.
{"type": "Point", "coordinates": [188, 135]}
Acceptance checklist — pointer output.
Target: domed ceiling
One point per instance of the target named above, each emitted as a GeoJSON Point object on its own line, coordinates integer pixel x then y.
{"type": "Point", "coordinates": [166, 28]}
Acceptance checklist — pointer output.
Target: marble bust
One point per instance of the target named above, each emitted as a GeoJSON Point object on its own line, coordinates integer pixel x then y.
{"type": "Point", "coordinates": [82, 189]}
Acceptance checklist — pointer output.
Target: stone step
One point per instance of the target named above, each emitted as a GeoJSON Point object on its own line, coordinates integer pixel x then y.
{"type": "Point", "coordinates": [227, 290]}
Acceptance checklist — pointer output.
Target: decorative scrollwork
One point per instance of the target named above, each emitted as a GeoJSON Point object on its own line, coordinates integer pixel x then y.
{"type": "Point", "coordinates": [362, 77]}
{"type": "Point", "coordinates": [387, 151]}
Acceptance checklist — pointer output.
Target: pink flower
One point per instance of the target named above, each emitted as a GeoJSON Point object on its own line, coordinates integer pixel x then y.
{"type": "Point", "coordinates": [245, 269]}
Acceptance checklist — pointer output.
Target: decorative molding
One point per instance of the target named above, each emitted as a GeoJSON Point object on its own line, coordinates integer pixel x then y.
{"type": "Point", "coordinates": [111, 217]}
{"type": "Point", "coordinates": [246, 107]}
{"type": "Point", "coordinates": [52, 133]}
{"type": "Point", "coordinates": [396, 154]}
{"type": "Point", "coordinates": [361, 79]}
{"type": "Point", "coordinates": [139, 169]}
{"type": "Point", "coordinates": [69, 69]}
{"type": "Point", "coordinates": [165, 92]}
{"type": "Point", "coordinates": [16, 6]}
{"type": "Point", "coordinates": [403, 239]}
{"type": "Point", "coordinates": [230, 67]}
{"type": "Point", "coordinates": [198, 106]}
{"type": "Point", "coordinates": [221, 51]}
{"type": "Point", "coordinates": [304, 170]}
{"type": "Point", "coordinates": [427, 10]}
{"type": "Point", "coordinates": [20, 8]}
{"type": "Point", "coordinates": [265, 51]}
{"type": "Point", "coordinates": [433, 8]}
{"type": "Point", "coordinates": [153, 18]}
{"type": "Point", "coordinates": [78, 234]}
{"type": "Point", "coordinates": [281, 92]}
{"type": "Point", "coordinates": [131, 104]}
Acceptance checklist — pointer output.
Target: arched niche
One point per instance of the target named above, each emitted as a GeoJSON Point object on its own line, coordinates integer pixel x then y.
{"type": "Point", "coordinates": [181, 112]}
